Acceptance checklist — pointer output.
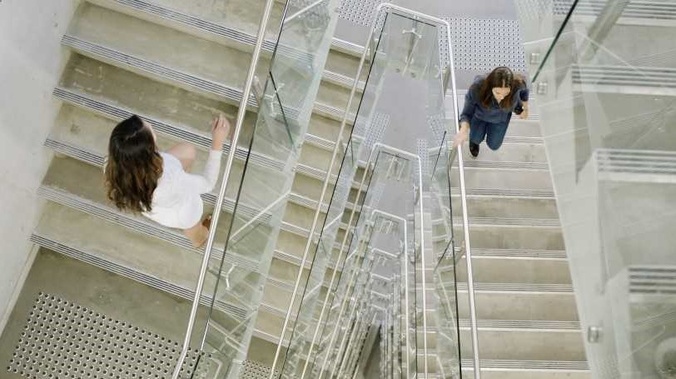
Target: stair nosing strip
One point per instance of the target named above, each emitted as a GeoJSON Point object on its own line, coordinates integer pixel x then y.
{"type": "Point", "coordinates": [109, 110]}
{"type": "Point", "coordinates": [519, 288]}
{"type": "Point", "coordinates": [525, 325]}
{"type": "Point", "coordinates": [519, 254]}
{"type": "Point", "coordinates": [235, 35]}
{"type": "Point", "coordinates": [499, 192]}
{"type": "Point", "coordinates": [526, 365]}
{"type": "Point", "coordinates": [177, 76]}
{"type": "Point", "coordinates": [507, 222]}
{"type": "Point", "coordinates": [130, 273]}
{"type": "Point", "coordinates": [94, 159]}
{"type": "Point", "coordinates": [135, 224]}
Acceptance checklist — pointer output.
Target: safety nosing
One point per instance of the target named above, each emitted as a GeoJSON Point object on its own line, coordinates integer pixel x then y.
{"type": "Point", "coordinates": [97, 160]}
{"type": "Point", "coordinates": [211, 27]}
{"type": "Point", "coordinates": [519, 287]}
{"type": "Point", "coordinates": [511, 193]}
{"type": "Point", "coordinates": [508, 221]}
{"type": "Point", "coordinates": [269, 45]}
{"type": "Point", "coordinates": [544, 325]}
{"type": "Point", "coordinates": [121, 58]}
{"type": "Point", "coordinates": [320, 142]}
{"type": "Point", "coordinates": [112, 111]}
{"type": "Point", "coordinates": [80, 100]}
{"type": "Point", "coordinates": [343, 80]}
{"type": "Point", "coordinates": [663, 10]}
{"type": "Point", "coordinates": [138, 225]}
{"type": "Point", "coordinates": [620, 75]}
{"type": "Point", "coordinates": [518, 254]}
{"type": "Point", "coordinates": [130, 273]}
{"type": "Point", "coordinates": [347, 47]}
{"type": "Point", "coordinates": [503, 165]}
{"type": "Point", "coordinates": [636, 161]}
{"type": "Point", "coordinates": [511, 365]}
{"type": "Point", "coordinates": [524, 140]}
{"type": "Point", "coordinates": [334, 113]}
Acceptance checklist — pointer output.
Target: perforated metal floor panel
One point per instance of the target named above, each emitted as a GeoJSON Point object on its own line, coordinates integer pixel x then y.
{"type": "Point", "coordinates": [255, 370]}
{"type": "Point", "coordinates": [65, 340]}
{"type": "Point", "coordinates": [360, 12]}
{"type": "Point", "coordinates": [483, 44]}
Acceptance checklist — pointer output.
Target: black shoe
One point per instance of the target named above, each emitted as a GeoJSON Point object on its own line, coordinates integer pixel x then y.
{"type": "Point", "coordinates": [474, 149]}
{"type": "Point", "coordinates": [518, 110]}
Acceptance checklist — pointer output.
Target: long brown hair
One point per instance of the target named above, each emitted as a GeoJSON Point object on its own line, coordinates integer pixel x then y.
{"type": "Point", "coordinates": [134, 166]}
{"type": "Point", "coordinates": [500, 77]}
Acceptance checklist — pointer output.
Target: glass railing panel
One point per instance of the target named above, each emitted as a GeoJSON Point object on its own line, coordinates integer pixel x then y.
{"type": "Point", "coordinates": [606, 99]}
{"type": "Point", "coordinates": [331, 248]}
{"type": "Point", "coordinates": [235, 279]}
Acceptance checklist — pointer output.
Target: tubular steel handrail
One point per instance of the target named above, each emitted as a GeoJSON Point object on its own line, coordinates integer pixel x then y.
{"type": "Point", "coordinates": [463, 193]}
{"type": "Point", "coordinates": [226, 175]}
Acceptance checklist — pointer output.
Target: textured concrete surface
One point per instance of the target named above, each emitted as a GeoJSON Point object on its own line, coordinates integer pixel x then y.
{"type": "Point", "coordinates": [100, 291]}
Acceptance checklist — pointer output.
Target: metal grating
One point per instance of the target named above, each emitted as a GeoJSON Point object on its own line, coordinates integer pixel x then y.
{"type": "Point", "coordinates": [533, 9]}
{"type": "Point", "coordinates": [483, 44]}
{"type": "Point", "coordinates": [65, 340]}
{"type": "Point", "coordinates": [255, 370]}
{"type": "Point", "coordinates": [360, 12]}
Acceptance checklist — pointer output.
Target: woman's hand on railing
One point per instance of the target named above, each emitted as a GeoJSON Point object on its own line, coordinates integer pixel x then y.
{"type": "Point", "coordinates": [220, 129]}
{"type": "Point", "coordinates": [462, 135]}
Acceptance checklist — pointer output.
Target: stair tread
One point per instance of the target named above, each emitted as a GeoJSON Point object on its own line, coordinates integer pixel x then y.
{"type": "Point", "coordinates": [518, 253]}
{"type": "Point", "coordinates": [115, 35]}
{"type": "Point", "coordinates": [519, 287]}
{"type": "Point", "coordinates": [172, 129]}
{"type": "Point", "coordinates": [514, 364]}
{"type": "Point", "coordinates": [523, 324]}
{"type": "Point", "coordinates": [232, 22]}
{"type": "Point", "coordinates": [220, 76]}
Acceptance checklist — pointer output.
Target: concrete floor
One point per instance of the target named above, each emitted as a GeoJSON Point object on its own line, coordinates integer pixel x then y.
{"type": "Point", "coordinates": [100, 291]}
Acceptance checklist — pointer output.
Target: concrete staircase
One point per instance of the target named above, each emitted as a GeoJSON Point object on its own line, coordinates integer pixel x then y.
{"type": "Point", "coordinates": [176, 64]}
{"type": "Point", "coordinates": [179, 63]}
{"type": "Point", "coordinates": [527, 319]}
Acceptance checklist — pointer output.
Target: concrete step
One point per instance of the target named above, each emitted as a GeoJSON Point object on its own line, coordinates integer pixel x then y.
{"type": "Point", "coordinates": [507, 269]}
{"type": "Point", "coordinates": [527, 369]}
{"type": "Point", "coordinates": [189, 117]}
{"type": "Point", "coordinates": [506, 207]}
{"type": "Point", "coordinates": [70, 230]}
{"type": "Point", "coordinates": [510, 175]}
{"type": "Point", "coordinates": [235, 23]}
{"type": "Point", "coordinates": [126, 93]}
{"type": "Point", "coordinates": [512, 150]}
{"type": "Point", "coordinates": [519, 302]}
{"type": "Point", "coordinates": [527, 341]}
{"type": "Point", "coordinates": [196, 64]}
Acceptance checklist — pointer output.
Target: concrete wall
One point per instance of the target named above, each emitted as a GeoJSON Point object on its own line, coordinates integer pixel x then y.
{"type": "Point", "coordinates": [31, 60]}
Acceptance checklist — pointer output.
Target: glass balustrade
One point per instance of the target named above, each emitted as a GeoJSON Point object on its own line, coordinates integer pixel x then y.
{"type": "Point", "coordinates": [248, 236]}
{"type": "Point", "coordinates": [605, 93]}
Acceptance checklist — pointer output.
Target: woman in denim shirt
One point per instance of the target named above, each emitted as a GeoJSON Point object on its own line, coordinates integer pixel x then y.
{"type": "Point", "coordinates": [489, 104]}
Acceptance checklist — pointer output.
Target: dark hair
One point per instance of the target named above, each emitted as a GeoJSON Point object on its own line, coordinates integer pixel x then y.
{"type": "Point", "coordinates": [500, 77]}
{"type": "Point", "coordinates": [134, 166]}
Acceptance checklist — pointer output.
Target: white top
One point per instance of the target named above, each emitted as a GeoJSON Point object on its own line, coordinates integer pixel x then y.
{"type": "Point", "coordinates": [176, 200]}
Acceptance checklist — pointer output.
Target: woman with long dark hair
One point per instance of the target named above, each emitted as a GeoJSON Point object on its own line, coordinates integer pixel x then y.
{"type": "Point", "coordinates": [141, 179]}
{"type": "Point", "coordinates": [489, 104]}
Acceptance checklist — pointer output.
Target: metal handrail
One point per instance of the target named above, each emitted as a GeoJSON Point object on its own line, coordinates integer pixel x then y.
{"type": "Point", "coordinates": [221, 194]}
{"type": "Point", "coordinates": [463, 193]}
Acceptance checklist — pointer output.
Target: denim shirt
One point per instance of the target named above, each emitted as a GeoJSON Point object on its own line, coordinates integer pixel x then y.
{"type": "Point", "coordinates": [493, 114]}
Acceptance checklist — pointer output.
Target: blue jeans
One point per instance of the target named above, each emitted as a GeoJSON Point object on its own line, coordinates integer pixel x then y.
{"type": "Point", "coordinates": [494, 133]}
